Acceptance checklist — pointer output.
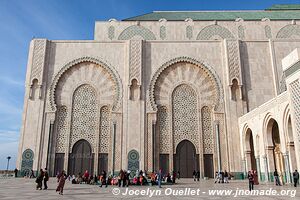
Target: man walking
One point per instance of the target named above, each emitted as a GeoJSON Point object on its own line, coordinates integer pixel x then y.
{"type": "Point", "coordinates": [296, 177]}
{"type": "Point", "coordinates": [276, 178]}
{"type": "Point", "coordinates": [46, 179]}
{"type": "Point", "coordinates": [251, 180]}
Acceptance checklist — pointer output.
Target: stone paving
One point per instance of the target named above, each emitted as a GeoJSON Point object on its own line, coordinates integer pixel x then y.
{"type": "Point", "coordinates": [21, 188]}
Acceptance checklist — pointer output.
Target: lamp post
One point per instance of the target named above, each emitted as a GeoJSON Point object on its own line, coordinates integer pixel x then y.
{"type": "Point", "coordinates": [8, 158]}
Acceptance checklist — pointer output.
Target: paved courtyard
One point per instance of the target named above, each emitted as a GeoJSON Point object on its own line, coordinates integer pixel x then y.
{"type": "Point", "coordinates": [185, 189]}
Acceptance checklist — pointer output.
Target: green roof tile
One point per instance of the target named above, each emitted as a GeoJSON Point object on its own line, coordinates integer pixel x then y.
{"type": "Point", "coordinates": [276, 12]}
{"type": "Point", "coordinates": [285, 7]}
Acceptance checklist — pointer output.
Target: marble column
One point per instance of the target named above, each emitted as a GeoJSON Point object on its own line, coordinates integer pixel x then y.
{"type": "Point", "coordinates": [265, 159]}
{"type": "Point", "coordinates": [257, 159]}
{"type": "Point", "coordinates": [244, 167]}
{"type": "Point", "coordinates": [287, 167]}
{"type": "Point", "coordinates": [248, 161]}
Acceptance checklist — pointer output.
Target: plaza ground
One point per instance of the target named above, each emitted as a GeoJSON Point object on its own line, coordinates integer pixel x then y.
{"type": "Point", "coordinates": [21, 188]}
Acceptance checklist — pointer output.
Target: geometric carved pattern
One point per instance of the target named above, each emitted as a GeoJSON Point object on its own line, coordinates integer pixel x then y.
{"type": "Point", "coordinates": [210, 31]}
{"type": "Point", "coordinates": [82, 73]}
{"type": "Point", "coordinates": [38, 60]}
{"type": "Point", "coordinates": [268, 32]}
{"type": "Point", "coordinates": [103, 76]}
{"type": "Point", "coordinates": [185, 73]}
{"type": "Point", "coordinates": [289, 31]}
{"type": "Point", "coordinates": [84, 112]}
{"type": "Point", "coordinates": [62, 127]}
{"type": "Point", "coordinates": [208, 142]}
{"type": "Point", "coordinates": [162, 32]}
{"type": "Point", "coordinates": [188, 70]}
{"type": "Point", "coordinates": [185, 115]}
{"type": "Point", "coordinates": [241, 32]}
{"type": "Point", "coordinates": [105, 141]}
{"type": "Point", "coordinates": [111, 32]}
{"type": "Point", "coordinates": [164, 136]}
{"type": "Point", "coordinates": [233, 60]}
{"type": "Point", "coordinates": [189, 32]}
{"type": "Point", "coordinates": [135, 30]}
{"type": "Point", "coordinates": [295, 98]}
{"type": "Point", "coordinates": [27, 162]}
{"type": "Point", "coordinates": [135, 60]}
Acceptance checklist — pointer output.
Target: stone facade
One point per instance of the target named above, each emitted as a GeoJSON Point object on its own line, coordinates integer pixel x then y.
{"type": "Point", "coordinates": [141, 88]}
{"type": "Point", "coordinates": [269, 134]}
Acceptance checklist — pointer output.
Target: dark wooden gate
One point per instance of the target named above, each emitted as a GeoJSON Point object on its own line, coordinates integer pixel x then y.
{"type": "Point", "coordinates": [208, 165]}
{"type": "Point", "coordinates": [81, 158]}
{"type": "Point", "coordinates": [186, 160]}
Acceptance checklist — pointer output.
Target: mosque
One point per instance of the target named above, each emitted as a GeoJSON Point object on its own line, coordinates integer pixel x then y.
{"type": "Point", "coordinates": [170, 90]}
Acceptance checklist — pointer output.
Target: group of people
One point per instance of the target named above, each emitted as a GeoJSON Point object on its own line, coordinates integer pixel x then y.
{"type": "Point", "coordinates": [43, 176]}
{"type": "Point", "coordinates": [295, 177]}
{"type": "Point", "coordinates": [124, 178]}
{"type": "Point", "coordinates": [253, 178]}
{"type": "Point", "coordinates": [222, 177]}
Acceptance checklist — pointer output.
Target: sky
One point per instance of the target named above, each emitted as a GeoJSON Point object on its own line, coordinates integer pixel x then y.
{"type": "Point", "coordinates": [22, 20]}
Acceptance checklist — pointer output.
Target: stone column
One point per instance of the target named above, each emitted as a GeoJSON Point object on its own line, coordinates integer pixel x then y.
{"type": "Point", "coordinates": [114, 147]}
{"type": "Point", "coordinates": [154, 151]}
{"type": "Point", "coordinates": [287, 171]}
{"type": "Point", "coordinates": [265, 159]}
{"type": "Point", "coordinates": [248, 160]}
{"type": "Point", "coordinates": [218, 147]}
{"type": "Point", "coordinates": [244, 168]}
{"type": "Point", "coordinates": [257, 159]}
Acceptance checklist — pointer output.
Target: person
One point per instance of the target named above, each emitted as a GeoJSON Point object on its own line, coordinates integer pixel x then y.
{"type": "Point", "coordinates": [46, 179]}
{"type": "Point", "coordinates": [255, 177]}
{"type": "Point", "coordinates": [103, 178]}
{"type": "Point", "coordinates": [61, 179]}
{"type": "Point", "coordinates": [216, 177]}
{"type": "Point", "coordinates": [277, 182]}
{"type": "Point", "coordinates": [74, 180]}
{"type": "Point", "coordinates": [32, 174]}
{"type": "Point", "coordinates": [16, 173]}
{"type": "Point", "coordinates": [226, 177]}
{"type": "Point", "coordinates": [95, 182]}
{"type": "Point", "coordinates": [39, 180]}
{"type": "Point", "coordinates": [127, 180]}
{"type": "Point", "coordinates": [135, 180]}
{"type": "Point", "coordinates": [198, 175]}
{"type": "Point", "coordinates": [159, 177]}
{"type": "Point", "coordinates": [194, 175]}
{"type": "Point", "coordinates": [251, 180]}
{"type": "Point", "coordinates": [222, 177]}
{"type": "Point", "coordinates": [86, 176]}
{"type": "Point", "coordinates": [124, 180]}
{"type": "Point", "coordinates": [178, 174]}
{"type": "Point", "coordinates": [120, 177]}
{"type": "Point", "coordinates": [296, 177]}
{"type": "Point", "coordinates": [174, 177]}
{"type": "Point", "coordinates": [152, 178]}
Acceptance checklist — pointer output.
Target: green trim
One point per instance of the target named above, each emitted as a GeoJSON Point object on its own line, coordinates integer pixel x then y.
{"type": "Point", "coordinates": [262, 177]}
{"type": "Point", "coordinates": [292, 69]}
{"type": "Point", "coordinates": [238, 175]}
{"type": "Point", "coordinates": [217, 15]}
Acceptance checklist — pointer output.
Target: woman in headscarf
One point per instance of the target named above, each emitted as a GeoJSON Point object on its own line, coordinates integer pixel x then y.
{"type": "Point", "coordinates": [61, 179]}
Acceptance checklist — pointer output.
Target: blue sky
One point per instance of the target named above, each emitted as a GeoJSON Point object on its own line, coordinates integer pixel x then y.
{"type": "Point", "coordinates": [21, 20]}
